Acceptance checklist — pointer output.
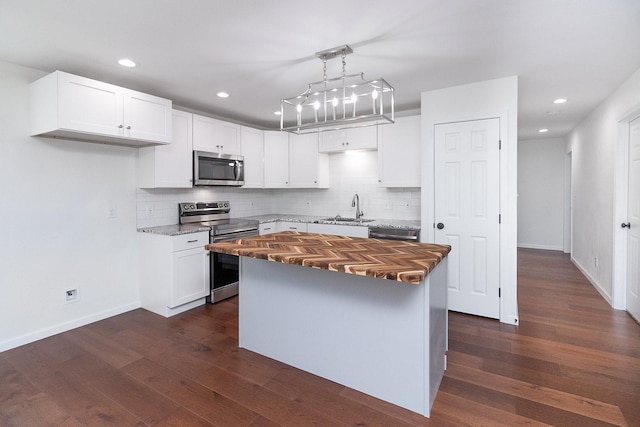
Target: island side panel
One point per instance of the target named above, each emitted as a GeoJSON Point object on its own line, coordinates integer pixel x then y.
{"type": "Point", "coordinates": [436, 283]}
{"type": "Point", "coordinates": [367, 334]}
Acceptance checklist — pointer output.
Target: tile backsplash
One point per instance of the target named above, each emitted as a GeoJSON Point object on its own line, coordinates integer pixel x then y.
{"type": "Point", "coordinates": [351, 173]}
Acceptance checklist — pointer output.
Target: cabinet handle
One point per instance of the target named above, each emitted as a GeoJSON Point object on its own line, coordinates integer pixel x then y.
{"type": "Point", "coordinates": [120, 127]}
{"type": "Point", "coordinates": [128, 127]}
{"type": "Point", "coordinates": [192, 241]}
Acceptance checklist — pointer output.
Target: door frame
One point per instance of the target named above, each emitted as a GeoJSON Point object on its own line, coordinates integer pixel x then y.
{"type": "Point", "coordinates": [508, 204]}
{"type": "Point", "coordinates": [621, 208]}
{"type": "Point", "coordinates": [567, 245]}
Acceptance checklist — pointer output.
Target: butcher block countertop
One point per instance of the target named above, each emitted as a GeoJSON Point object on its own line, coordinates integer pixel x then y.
{"type": "Point", "coordinates": [401, 261]}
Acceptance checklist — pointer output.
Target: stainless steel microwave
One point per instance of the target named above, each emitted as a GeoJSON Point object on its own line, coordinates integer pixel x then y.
{"type": "Point", "coordinates": [217, 169]}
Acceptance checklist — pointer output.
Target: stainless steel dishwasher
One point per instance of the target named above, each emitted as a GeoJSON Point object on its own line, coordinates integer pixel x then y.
{"type": "Point", "coordinates": [394, 234]}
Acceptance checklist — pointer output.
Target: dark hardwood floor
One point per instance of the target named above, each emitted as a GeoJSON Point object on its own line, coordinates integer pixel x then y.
{"type": "Point", "coordinates": [572, 361]}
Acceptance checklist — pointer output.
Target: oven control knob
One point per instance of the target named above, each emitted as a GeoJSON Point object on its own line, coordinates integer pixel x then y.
{"type": "Point", "coordinates": [226, 204]}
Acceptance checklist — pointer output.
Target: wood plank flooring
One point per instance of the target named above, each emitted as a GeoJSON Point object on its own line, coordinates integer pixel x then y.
{"type": "Point", "coordinates": [572, 361]}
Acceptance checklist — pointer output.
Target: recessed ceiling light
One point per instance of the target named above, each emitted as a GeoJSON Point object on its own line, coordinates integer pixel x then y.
{"type": "Point", "coordinates": [277, 113]}
{"type": "Point", "coordinates": [543, 130]}
{"type": "Point", "coordinates": [560, 101]}
{"type": "Point", "coordinates": [553, 112]}
{"type": "Point", "coordinates": [222, 94]}
{"type": "Point", "coordinates": [126, 62]}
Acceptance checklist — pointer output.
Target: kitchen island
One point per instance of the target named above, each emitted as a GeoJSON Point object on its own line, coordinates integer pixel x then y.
{"type": "Point", "coordinates": [366, 313]}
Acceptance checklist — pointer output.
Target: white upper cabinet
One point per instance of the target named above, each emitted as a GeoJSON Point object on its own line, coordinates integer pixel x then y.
{"type": "Point", "coordinates": [75, 107]}
{"type": "Point", "coordinates": [252, 143]}
{"type": "Point", "coordinates": [169, 166]}
{"type": "Point", "coordinates": [307, 167]}
{"type": "Point", "coordinates": [293, 161]}
{"type": "Point", "coordinates": [276, 159]}
{"type": "Point", "coordinates": [362, 138]}
{"type": "Point", "coordinates": [215, 136]}
{"type": "Point", "coordinates": [399, 153]}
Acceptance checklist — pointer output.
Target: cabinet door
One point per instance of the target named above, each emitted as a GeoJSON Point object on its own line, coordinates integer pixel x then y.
{"type": "Point", "coordinates": [252, 145]}
{"type": "Point", "coordinates": [362, 138]}
{"type": "Point", "coordinates": [339, 230]}
{"type": "Point", "coordinates": [87, 105]}
{"type": "Point", "coordinates": [292, 226]}
{"type": "Point", "coordinates": [304, 161]}
{"type": "Point", "coordinates": [399, 153]}
{"type": "Point", "coordinates": [170, 165]}
{"type": "Point", "coordinates": [332, 141]}
{"type": "Point", "coordinates": [215, 136]}
{"type": "Point", "coordinates": [190, 276]}
{"type": "Point", "coordinates": [146, 117]}
{"type": "Point", "coordinates": [276, 159]}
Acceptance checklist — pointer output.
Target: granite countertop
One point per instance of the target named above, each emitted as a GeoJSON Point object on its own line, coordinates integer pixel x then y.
{"type": "Point", "coordinates": [402, 261]}
{"type": "Point", "coordinates": [386, 223]}
{"type": "Point", "coordinates": [174, 230]}
{"type": "Point", "coordinates": [177, 229]}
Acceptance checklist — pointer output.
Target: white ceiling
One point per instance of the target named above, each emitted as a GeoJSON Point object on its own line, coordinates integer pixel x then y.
{"type": "Point", "coordinates": [263, 50]}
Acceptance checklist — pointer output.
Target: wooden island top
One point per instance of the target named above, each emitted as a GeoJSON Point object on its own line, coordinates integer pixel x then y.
{"type": "Point", "coordinates": [402, 261]}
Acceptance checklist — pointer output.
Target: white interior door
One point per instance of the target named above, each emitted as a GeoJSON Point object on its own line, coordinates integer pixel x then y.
{"type": "Point", "coordinates": [467, 208]}
{"type": "Point", "coordinates": [633, 223]}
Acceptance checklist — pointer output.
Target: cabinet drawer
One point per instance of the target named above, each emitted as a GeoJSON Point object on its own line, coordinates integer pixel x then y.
{"type": "Point", "coordinates": [189, 241]}
{"type": "Point", "coordinates": [268, 228]}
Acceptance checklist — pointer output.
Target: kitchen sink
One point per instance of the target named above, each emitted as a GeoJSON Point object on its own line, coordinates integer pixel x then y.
{"type": "Point", "coordinates": [347, 219]}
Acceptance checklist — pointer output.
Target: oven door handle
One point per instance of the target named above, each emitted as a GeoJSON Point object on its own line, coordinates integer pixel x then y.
{"type": "Point", "coordinates": [233, 236]}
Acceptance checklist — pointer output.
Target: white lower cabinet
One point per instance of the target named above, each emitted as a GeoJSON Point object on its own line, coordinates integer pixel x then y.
{"type": "Point", "coordinates": [291, 226]}
{"type": "Point", "coordinates": [339, 230]}
{"type": "Point", "coordinates": [174, 272]}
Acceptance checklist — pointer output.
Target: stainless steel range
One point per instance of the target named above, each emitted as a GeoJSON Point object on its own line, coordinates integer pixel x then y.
{"type": "Point", "coordinates": [224, 268]}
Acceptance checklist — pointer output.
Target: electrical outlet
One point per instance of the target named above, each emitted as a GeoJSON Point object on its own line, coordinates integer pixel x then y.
{"type": "Point", "coordinates": [595, 262]}
{"type": "Point", "coordinates": [251, 203]}
{"type": "Point", "coordinates": [308, 203]}
{"type": "Point", "coordinates": [71, 295]}
{"type": "Point", "coordinates": [149, 211]}
{"type": "Point", "coordinates": [113, 212]}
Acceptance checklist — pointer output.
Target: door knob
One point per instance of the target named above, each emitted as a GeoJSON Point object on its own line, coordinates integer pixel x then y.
{"type": "Point", "coordinates": [625, 225]}
{"type": "Point", "coordinates": [440, 226]}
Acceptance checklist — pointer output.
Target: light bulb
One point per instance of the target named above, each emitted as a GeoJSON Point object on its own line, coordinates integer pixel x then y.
{"type": "Point", "coordinates": [299, 108]}
{"type": "Point", "coordinates": [354, 98]}
{"type": "Point", "coordinates": [374, 94]}
{"type": "Point", "coordinates": [334, 102]}
{"type": "Point", "coordinates": [316, 105]}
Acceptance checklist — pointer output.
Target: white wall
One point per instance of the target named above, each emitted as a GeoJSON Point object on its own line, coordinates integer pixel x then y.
{"type": "Point", "coordinates": [55, 197]}
{"type": "Point", "coordinates": [541, 193]}
{"type": "Point", "coordinates": [488, 99]}
{"type": "Point", "coordinates": [356, 172]}
{"type": "Point", "coordinates": [593, 145]}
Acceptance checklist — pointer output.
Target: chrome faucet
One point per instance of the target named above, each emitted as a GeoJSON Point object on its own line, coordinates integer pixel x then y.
{"type": "Point", "coordinates": [355, 203]}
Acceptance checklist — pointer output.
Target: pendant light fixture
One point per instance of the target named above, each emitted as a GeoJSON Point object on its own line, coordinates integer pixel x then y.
{"type": "Point", "coordinates": [341, 102]}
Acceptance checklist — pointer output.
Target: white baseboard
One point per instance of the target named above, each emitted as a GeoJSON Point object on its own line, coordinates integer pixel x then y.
{"type": "Point", "coordinates": [593, 282]}
{"type": "Point", "coordinates": [66, 326]}
{"type": "Point", "coordinates": [544, 247]}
